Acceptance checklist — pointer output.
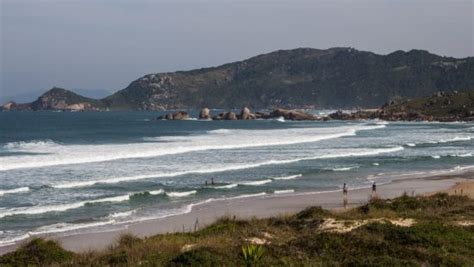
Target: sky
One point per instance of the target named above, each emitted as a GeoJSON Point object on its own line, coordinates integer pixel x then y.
{"type": "Point", "coordinates": [106, 44]}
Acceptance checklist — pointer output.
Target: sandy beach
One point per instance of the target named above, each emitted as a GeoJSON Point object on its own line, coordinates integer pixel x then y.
{"type": "Point", "coordinates": [260, 207]}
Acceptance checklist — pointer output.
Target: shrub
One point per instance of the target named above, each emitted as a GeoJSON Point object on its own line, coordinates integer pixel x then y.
{"type": "Point", "coordinates": [198, 257]}
{"type": "Point", "coordinates": [37, 252]}
{"type": "Point", "coordinates": [252, 254]}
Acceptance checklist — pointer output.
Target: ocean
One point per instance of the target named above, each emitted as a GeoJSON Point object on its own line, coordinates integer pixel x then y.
{"type": "Point", "coordinates": [67, 172]}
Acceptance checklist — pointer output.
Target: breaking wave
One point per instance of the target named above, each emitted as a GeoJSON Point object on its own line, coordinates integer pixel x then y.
{"type": "Point", "coordinates": [360, 153]}
{"type": "Point", "coordinates": [53, 154]}
{"type": "Point", "coordinates": [14, 191]}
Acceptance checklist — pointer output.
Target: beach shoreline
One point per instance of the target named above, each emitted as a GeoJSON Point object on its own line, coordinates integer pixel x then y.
{"type": "Point", "coordinates": [263, 206]}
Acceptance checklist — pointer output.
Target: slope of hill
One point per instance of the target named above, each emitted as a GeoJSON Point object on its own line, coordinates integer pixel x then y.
{"type": "Point", "coordinates": [332, 78]}
{"type": "Point", "coordinates": [439, 105]}
{"type": "Point", "coordinates": [58, 99]}
{"type": "Point", "coordinates": [303, 77]}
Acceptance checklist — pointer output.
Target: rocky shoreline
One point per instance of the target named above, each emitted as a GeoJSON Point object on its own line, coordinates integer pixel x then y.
{"type": "Point", "coordinates": [245, 114]}
{"type": "Point", "coordinates": [441, 106]}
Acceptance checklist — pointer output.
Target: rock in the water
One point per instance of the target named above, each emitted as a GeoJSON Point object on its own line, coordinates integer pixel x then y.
{"type": "Point", "coordinates": [204, 114]}
{"type": "Point", "coordinates": [245, 114]}
{"type": "Point", "coordinates": [230, 116]}
{"type": "Point", "coordinates": [169, 116]}
{"type": "Point", "coordinates": [11, 105]}
{"type": "Point", "coordinates": [339, 115]}
{"type": "Point", "coordinates": [295, 115]}
{"type": "Point", "coordinates": [179, 115]}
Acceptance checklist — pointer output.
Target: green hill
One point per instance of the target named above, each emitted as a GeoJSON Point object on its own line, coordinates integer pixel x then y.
{"type": "Point", "coordinates": [297, 78]}
{"type": "Point", "coordinates": [304, 77]}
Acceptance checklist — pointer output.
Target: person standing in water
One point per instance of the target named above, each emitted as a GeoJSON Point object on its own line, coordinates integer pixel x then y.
{"type": "Point", "coordinates": [212, 181]}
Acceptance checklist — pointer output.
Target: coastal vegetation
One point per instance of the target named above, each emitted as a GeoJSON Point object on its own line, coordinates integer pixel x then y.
{"type": "Point", "coordinates": [435, 230]}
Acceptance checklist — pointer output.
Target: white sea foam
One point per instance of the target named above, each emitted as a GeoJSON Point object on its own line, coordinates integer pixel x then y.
{"type": "Point", "coordinates": [122, 214]}
{"type": "Point", "coordinates": [462, 155]}
{"type": "Point", "coordinates": [219, 131]}
{"type": "Point", "coordinates": [228, 186]}
{"type": "Point", "coordinates": [181, 194]}
{"type": "Point", "coordinates": [112, 180]}
{"type": "Point", "coordinates": [376, 164]}
{"type": "Point", "coordinates": [54, 154]}
{"type": "Point", "coordinates": [66, 227]}
{"type": "Point", "coordinates": [13, 240]}
{"type": "Point", "coordinates": [33, 145]}
{"type": "Point", "coordinates": [455, 139]}
{"type": "Point", "coordinates": [280, 119]}
{"type": "Point", "coordinates": [288, 191]}
{"type": "Point", "coordinates": [110, 199]}
{"type": "Point", "coordinates": [436, 156]}
{"type": "Point", "coordinates": [261, 182]}
{"type": "Point", "coordinates": [343, 169]}
{"type": "Point", "coordinates": [58, 208]}
{"type": "Point", "coordinates": [156, 192]}
{"type": "Point", "coordinates": [246, 196]}
{"type": "Point", "coordinates": [15, 190]}
{"type": "Point", "coordinates": [411, 144]}
{"type": "Point", "coordinates": [289, 177]}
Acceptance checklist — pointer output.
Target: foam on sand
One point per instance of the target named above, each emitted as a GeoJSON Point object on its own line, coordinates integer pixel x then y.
{"type": "Point", "coordinates": [287, 191]}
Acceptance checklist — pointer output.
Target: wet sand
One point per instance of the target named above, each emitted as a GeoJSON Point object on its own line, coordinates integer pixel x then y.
{"type": "Point", "coordinates": [259, 207]}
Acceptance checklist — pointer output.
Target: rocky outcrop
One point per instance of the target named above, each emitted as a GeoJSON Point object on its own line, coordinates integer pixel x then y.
{"type": "Point", "coordinates": [178, 115]}
{"type": "Point", "coordinates": [294, 115]}
{"type": "Point", "coordinates": [246, 115]}
{"type": "Point", "coordinates": [11, 105]}
{"type": "Point", "coordinates": [204, 114]}
{"type": "Point", "coordinates": [441, 106]}
{"type": "Point", "coordinates": [58, 99]}
{"type": "Point", "coordinates": [230, 116]}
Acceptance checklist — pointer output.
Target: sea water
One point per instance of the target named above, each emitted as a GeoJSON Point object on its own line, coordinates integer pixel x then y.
{"type": "Point", "coordinates": [83, 171]}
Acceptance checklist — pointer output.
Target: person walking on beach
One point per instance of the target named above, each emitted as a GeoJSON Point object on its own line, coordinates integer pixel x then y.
{"type": "Point", "coordinates": [344, 192]}
{"type": "Point", "coordinates": [374, 189]}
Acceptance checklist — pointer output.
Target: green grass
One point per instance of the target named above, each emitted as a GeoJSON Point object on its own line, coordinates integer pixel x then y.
{"type": "Point", "coordinates": [436, 239]}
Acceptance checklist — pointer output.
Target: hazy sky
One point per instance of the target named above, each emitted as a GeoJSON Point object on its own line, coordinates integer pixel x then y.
{"type": "Point", "coordinates": [107, 44]}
